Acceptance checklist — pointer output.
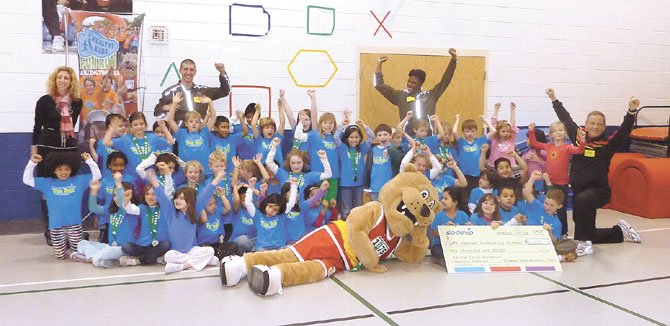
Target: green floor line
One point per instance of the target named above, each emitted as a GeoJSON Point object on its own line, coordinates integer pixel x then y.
{"type": "Point", "coordinates": [611, 304]}
{"type": "Point", "coordinates": [103, 285]}
{"type": "Point", "coordinates": [376, 311]}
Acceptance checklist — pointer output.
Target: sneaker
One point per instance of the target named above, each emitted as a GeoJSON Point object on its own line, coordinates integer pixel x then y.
{"type": "Point", "coordinates": [584, 248]}
{"type": "Point", "coordinates": [173, 268]}
{"type": "Point", "coordinates": [232, 270]}
{"type": "Point", "coordinates": [160, 260]}
{"type": "Point", "coordinates": [264, 280]}
{"type": "Point", "coordinates": [629, 234]}
{"type": "Point", "coordinates": [58, 44]}
{"type": "Point", "coordinates": [76, 256]}
{"type": "Point", "coordinates": [128, 261]}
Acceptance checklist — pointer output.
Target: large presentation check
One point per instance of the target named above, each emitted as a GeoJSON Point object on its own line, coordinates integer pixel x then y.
{"type": "Point", "coordinates": [469, 249]}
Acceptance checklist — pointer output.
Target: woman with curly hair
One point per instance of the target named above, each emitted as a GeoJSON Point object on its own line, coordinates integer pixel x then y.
{"type": "Point", "coordinates": [56, 113]}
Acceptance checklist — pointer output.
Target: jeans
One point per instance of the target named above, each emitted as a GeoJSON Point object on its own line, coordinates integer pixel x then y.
{"type": "Point", "coordinates": [350, 197]}
{"type": "Point", "coordinates": [146, 254]}
{"type": "Point", "coordinates": [244, 244]}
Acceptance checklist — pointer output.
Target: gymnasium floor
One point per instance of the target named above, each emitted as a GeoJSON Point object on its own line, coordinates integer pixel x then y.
{"type": "Point", "coordinates": [621, 284]}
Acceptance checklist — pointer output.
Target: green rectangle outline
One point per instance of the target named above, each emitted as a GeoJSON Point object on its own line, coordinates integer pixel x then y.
{"type": "Point", "coordinates": [319, 7]}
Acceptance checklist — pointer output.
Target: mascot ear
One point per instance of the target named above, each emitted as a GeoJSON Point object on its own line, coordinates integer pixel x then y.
{"type": "Point", "coordinates": [409, 168]}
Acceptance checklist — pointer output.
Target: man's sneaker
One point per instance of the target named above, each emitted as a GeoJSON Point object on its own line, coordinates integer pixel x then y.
{"type": "Point", "coordinates": [629, 234]}
{"type": "Point", "coordinates": [173, 268]}
{"type": "Point", "coordinates": [264, 280]}
{"type": "Point", "coordinates": [58, 44]}
{"type": "Point", "coordinates": [128, 261]}
{"type": "Point", "coordinates": [584, 248]}
{"type": "Point", "coordinates": [232, 270]}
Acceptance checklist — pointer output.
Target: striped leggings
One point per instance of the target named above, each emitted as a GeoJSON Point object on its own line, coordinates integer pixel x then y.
{"type": "Point", "coordinates": [64, 238]}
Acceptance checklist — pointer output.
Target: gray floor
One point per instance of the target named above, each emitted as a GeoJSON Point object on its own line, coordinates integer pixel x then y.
{"type": "Point", "coordinates": [621, 284]}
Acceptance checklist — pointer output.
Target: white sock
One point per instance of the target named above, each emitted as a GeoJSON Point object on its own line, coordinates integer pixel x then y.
{"type": "Point", "coordinates": [173, 268]}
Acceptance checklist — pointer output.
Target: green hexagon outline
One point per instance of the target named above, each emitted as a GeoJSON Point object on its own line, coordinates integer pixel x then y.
{"type": "Point", "coordinates": [295, 81]}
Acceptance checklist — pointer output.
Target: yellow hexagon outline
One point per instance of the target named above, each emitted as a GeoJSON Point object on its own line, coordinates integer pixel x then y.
{"type": "Point", "coordinates": [295, 81]}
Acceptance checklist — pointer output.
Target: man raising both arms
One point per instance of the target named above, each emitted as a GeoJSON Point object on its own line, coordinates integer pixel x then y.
{"type": "Point", "coordinates": [191, 92]}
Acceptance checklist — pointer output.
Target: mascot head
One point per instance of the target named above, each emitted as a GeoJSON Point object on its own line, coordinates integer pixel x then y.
{"type": "Point", "coordinates": [409, 199]}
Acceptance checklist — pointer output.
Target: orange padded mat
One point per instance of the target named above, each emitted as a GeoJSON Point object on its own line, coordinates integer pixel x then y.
{"type": "Point", "coordinates": [650, 133]}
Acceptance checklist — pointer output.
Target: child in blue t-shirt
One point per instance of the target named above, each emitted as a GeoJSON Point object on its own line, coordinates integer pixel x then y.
{"type": "Point", "coordinates": [444, 180]}
{"type": "Point", "coordinates": [270, 218]}
{"type": "Point", "coordinates": [352, 154]}
{"type": "Point", "coordinates": [160, 129]}
{"type": "Point", "coordinates": [64, 192]}
{"type": "Point", "coordinates": [383, 160]}
{"type": "Point", "coordinates": [296, 165]}
{"type": "Point", "coordinates": [99, 151]}
{"type": "Point", "coordinates": [544, 213]}
{"type": "Point", "coordinates": [468, 148]}
{"type": "Point", "coordinates": [485, 186]}
{"type": "Point", "coordinates": [451, 214]}
{"type": "Point", "coordinates": [268, 132]}
{"type": "Point", "coordinates": [167, 166]}
{"type": "Point", "coordinates": [244, 231]}
{"type": "Point", "coordinates": [193, 141]}
{"type": "Point", "coordinates": [116, 163]}
{"type": "Point", "coordinates": [152, 241]}
{"type": "Point", "coordinates": [223, 140]}
{"type": "Point", "coordinates": [295, 222]}
{"type": "Point", "coordinates": [123, 218]}
{"type": "Point", "coordinates": [508, 204]}
{"type": "Point", "coordinates": [181, 214]}
{"type": "Point", "coordinates": [421, 129]}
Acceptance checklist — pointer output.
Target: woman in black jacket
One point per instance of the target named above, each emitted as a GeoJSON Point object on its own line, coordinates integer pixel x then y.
{"type": "Point", "coordinates": [588, 175]}
{"type": "Point", "coordinates": [56, 114]}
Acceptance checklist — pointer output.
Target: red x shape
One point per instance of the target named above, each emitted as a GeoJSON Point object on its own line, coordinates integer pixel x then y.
{"type": "Point", "coordinates": [381, 24]}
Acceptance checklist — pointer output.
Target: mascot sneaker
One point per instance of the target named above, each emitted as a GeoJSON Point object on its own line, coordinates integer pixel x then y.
{"type": "Point", "coordinates": [232, 270]}
{"type": "Point", "coordinates": [265, 280]}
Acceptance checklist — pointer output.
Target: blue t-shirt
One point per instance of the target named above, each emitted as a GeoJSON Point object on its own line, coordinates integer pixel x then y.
{"type": "Point", "coordinates": [271, 231]}
{"type": "Point", "coordinates": [122, 228]}
{"type": "Point", "coordinates": [468, 155]}
{"type": "Point", "coordinates": [107, 188]}
{"type": "Point", "coordinates": [310, 215]}
{"type": "Point", "coordinates": [194, 146]}
{"type": "Point", "coordinates": [64, 198]}
{"type": "Point", "coordinates": [295, 226]}
{"type": "Point", "coordinates": [247, 147]}
{"type": "Point", "coordinates": [243, 224]}
{"type": "Point", "coordinates": [263, 146]}
{"type": "Point", "coordinates": [150, 218]}
{"type": "Point", "coordinates": [227, 145]}
{"type": "Point", "coordinates": [381, 171]}
{"type": "Point", "coordinates": [326, 143]}
{"type": "Point", "coordinates": [208, 233]}
{"type": "Point", "coordinates": [181, 232]}
{"type": "Point", "coordinates": [350, 177]}
{"type": "Point", "coordinates": [475, 219]}
{"type": "Point", "coordinates": [538, 216]}
{"type": "Point", "coordinates": [477, 193]}
{"type": "Point", "coordinates": [441, 182]}
{"type": "Point", "coordinates": [506, 216]}
{"type": "Point", "coordinates": [138, 149]}
{"type": "Point", "coordinates": [441, 218]}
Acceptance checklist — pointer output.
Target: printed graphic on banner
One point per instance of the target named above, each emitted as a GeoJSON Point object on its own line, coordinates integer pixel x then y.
{"type": "Point", "coordinates": [320, 20]}
{"type": "Point", "coordinates": [473, 249]}
{"type": "Point", "coordinates": [248, 20]}
{"type": "Point", "coordinates": [58, 27]}
{"type": "Point", "coordinates": [108, 48]}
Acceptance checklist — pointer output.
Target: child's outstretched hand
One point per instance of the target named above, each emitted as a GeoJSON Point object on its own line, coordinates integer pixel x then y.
{"type": "Point", "coordinates": [177, 97]}
{"type": "Point", "coordinates": [382, 59]}
{"type": "Point", "coordinates": [409, 115]}
{"type": "Point", "coordinates": [333, 203]}
{"type": "Point", "coordinates": [94, 185]}
{"type": "Point", "coordinates": [85, 156]}
{"type": "Point", "coordinates": [324, 185]}
{"type": "Point", "coordinates": [275, 142]}
{"type": "Point", "coordinates": [92, 141]}
{"type": "Point", "coordinates": [36, 158]}
{"type": "Point", "coordinates": [512, 106]}
{"type": "Point", "coordinates": [282, 93]}
{"type": "Point", "coordinates": [311, 93]}
{"type": "Point", "coordinates": [117, 176]}
{"type": "Point", "coordinates": [151, 174]}
{"type": "Point", "coordinates": [452, 165]}
{"type": "Point", "coordinates": [252, 182]}
{"type": "Point", "coordinates": [531, 126]}
{"type": "Point", "coordinates": [497, 106]}
{"type": "Point", "coordinates": [546, 227]}
{"type": "Point", "coordinates": [536, 175]}
{"type": "Point", "coordinates": [205, 99]}
{"type": "Point", "coordinates": [347, 117]}
{"type": "Point", "coordinates": [220, 192]}
{"type": "Point", "coordinates": [236, 162]}
{"type": "Point", "coordinates": [495, 224]}
{"type": "Point", "coordinates": [485, 148]}
{"type": "Point", "coordinates": [258, 157]}
{"type": "Point", "coordinates": [263, 188]}
{"type": "Point", "coordinates": [324, 204]}
{"type": "Point", "coordinates": [321, 153]}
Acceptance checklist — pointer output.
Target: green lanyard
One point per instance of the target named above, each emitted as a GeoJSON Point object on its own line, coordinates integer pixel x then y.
{"type": "Point", "coordinates": [444, 152]}
{"type": "Point", "coordinates": [354, 156]}
{"type": "Point", "coordinates": [226, 187]}
{"type": "Point", "coordinates": [299, 176]}
{"type": "Point", "coordinates": [152, 217]}
{"type": "Point", "coordinates": [296, 144]}
{"type": "Point", "coordinates": [144, 150]}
